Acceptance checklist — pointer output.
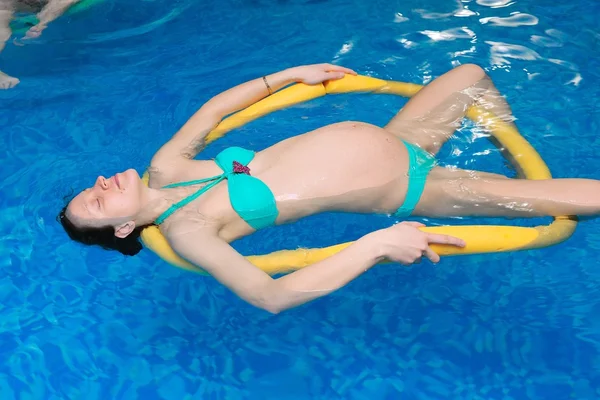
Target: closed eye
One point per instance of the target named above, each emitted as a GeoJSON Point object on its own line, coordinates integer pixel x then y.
{"type": "Point", "coordinates": [98, 201]}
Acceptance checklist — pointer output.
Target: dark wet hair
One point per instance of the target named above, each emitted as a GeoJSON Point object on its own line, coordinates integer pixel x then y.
{"type": "Point", "coordinates": [103, 237]}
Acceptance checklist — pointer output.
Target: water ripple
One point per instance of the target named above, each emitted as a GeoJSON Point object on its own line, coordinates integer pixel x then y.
{"type": "Point", "coordinates": [138, 30]}
{"type": "Point", "coordinates": [564, 63]}
{"type": "Point", "coordinates": [555, 38]}
{"type": "Point", "coordinates": [495, 3]}
{"type": "Point", "coordinates": [398, 17]}
{"type": "Point", "coordinates": [449, 34]}
{"type": "Point", "coordinates": [502, 52]}
{"type": "Point", "coordinates": [517, 19]}
{"type": "Point", "coordinates": [460, 10]}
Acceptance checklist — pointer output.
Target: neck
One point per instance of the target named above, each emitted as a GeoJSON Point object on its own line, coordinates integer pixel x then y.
{"type": "Point", "coordinates": [156, 202]}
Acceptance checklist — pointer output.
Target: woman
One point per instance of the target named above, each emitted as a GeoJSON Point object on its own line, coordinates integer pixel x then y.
{"type": "Point", "coordinates": [348, 166]}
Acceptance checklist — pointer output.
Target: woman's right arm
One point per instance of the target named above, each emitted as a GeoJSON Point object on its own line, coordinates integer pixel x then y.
{"type": "Point", "coordinates": [402, 243]}
{"type": "Point", "coordinates": [189, 140]}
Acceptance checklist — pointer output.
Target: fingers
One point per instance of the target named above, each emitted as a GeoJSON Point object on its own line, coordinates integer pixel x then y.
{"type": "Point", "coordinates": [445, 239]}
{"type": "Point", "coordinates": [317, 73]}
{"type": "Point", "coordinates": [431, 255]}
{"type": "Point", "coordinates": [338, 68]}
{"type": "Point", "coordinates": [334, 75]}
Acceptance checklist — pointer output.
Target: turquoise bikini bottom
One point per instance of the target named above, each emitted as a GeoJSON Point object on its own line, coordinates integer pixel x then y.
{"type": "Point", "coordinates": [420, 163]}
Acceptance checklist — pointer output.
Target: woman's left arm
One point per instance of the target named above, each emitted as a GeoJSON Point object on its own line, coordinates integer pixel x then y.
{"type": "Point", "coordinates": [189, 140]}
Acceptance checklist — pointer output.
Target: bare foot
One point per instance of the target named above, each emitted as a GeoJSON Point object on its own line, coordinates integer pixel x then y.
{"type": "Point", "coordinates": [7, 82]}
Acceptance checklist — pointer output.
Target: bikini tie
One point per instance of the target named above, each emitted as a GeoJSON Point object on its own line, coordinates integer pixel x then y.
{"type": "Point", "coordinates": [240, 169]}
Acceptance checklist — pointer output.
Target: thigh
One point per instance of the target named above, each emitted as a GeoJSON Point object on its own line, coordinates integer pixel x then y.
{"type": "Point", "coordinates": [487, 196]}
{"type": "Point", "coordinates": [432, 115]}
{"type": "Point", "coordinates": [453, 192]}
{"type": "Point", "coordinates": [452, 173]}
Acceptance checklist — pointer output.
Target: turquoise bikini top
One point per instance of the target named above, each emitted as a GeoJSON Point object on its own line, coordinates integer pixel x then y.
{"type": "Point", "coordinates": [251, 199]}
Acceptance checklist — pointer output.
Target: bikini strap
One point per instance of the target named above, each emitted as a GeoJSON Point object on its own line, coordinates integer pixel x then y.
{"type": "Point", "coordinates": [191, 183]}
{"type": "Point", "coordinates": [214, 180]}
{"type": "Point", "coordinates": [233, 160]}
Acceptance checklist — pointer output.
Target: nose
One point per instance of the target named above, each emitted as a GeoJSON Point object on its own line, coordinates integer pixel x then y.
{"type": "Point", "coordinates": [102, 182]}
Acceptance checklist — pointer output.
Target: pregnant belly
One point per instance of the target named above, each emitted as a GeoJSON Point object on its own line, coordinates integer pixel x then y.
{"type": "Point", "coordinates": [350, 167]}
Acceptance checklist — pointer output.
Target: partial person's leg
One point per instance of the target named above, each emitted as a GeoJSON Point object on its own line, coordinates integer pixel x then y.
{"type": "Point", "coordinates": [451, 173]}
{"type": "Point", "coordinates": [6, 15]}
{"type": "Point", "coordinates": [430, 117]}
{"type": "Point", "coordinates": [49, 12]}
{"type": "Point", "coordinates": [486, 197]}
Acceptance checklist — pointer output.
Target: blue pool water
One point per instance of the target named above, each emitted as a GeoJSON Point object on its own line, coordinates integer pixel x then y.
{"type": "Point", "coordinates": [101, 91]}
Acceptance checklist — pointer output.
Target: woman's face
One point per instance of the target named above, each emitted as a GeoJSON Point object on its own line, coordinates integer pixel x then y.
{"type": "Point", "coordinates": [111, 201]}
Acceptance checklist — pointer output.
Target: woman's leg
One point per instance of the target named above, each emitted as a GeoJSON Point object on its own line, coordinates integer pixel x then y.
{"type": "Point", "coordinates": [490, 197]}
{"type": "Point", "coordinates": [430, 117]}
{"type": "Point", "coordinates": [6, 15]}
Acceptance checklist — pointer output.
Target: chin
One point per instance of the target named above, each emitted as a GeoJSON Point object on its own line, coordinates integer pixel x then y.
{"type": "Point", "coordinates": [132, 177]}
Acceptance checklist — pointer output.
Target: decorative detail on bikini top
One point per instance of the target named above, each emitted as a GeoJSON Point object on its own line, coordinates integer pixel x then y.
{"type": "Point", "coordinates": [240, 169]}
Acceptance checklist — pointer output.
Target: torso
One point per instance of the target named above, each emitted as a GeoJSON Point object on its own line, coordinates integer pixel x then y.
{"type": "Point", "coordinates": [349, 166]}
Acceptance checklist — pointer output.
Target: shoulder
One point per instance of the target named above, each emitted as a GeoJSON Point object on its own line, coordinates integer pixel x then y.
{"type": "Point", "coordinates": [188, 227]}
{"type": "Point", "coordinates": [200, 244]}
{"type": "Point", "coordinates": [183, 250]}
{"type": "Point", "coordinates": [163, 172]}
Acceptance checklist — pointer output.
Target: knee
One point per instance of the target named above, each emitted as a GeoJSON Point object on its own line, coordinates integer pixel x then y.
{"type": "Point", "coordinates": [472, 71]}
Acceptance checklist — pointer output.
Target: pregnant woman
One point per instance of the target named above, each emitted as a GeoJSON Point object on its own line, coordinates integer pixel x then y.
{"type": "Point", "coordinates": [202, 206]}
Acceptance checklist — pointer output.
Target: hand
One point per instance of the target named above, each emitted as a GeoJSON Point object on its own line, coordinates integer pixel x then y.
{"type": "Point", "coordinates": [34, 32]}
{"type": "Point", "coordinates": [404, 243]}
{"type": "Point", "coordinates": [318, 73]}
